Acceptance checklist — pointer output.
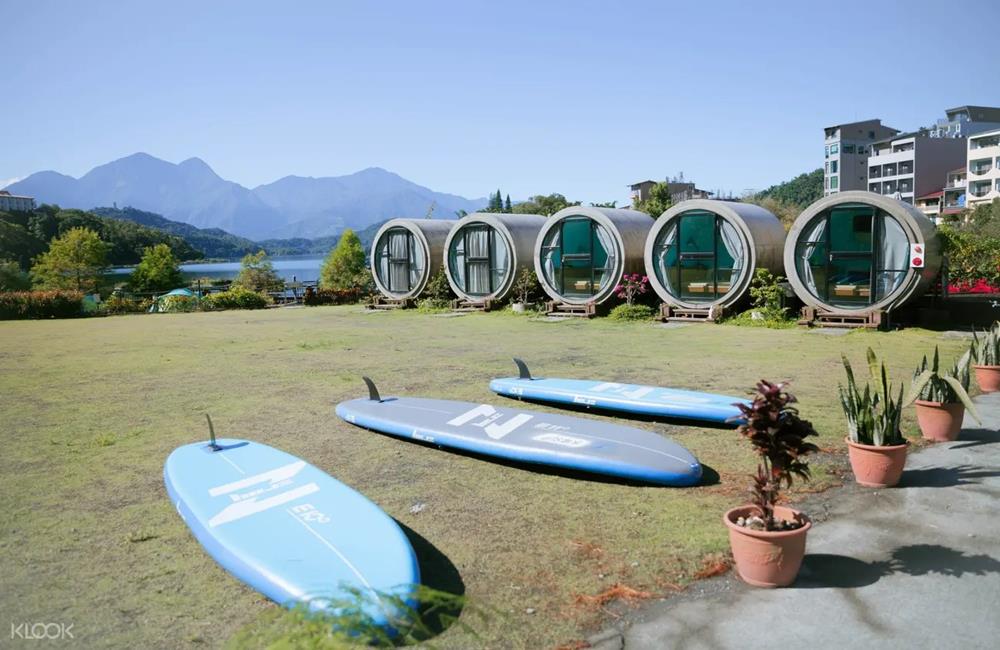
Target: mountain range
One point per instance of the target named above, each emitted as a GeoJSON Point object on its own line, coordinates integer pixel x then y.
{"type": "Point", "coordinates": [293, 206]}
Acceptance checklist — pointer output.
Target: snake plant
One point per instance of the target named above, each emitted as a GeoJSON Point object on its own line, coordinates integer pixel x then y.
{"type": "Point", "coordinates": [872, 415]}
{"type": "Point", "coordinates": [932, 385]}
{"type": "Point", "coordinates": [986, 350]}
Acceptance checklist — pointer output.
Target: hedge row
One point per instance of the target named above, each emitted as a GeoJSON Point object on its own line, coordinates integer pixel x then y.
{"type": "Point", "coordinates": [333, 296]}
{"type": "Point", "coordinates": [18, 305]}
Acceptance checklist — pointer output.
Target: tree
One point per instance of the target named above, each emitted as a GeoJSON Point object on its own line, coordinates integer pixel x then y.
{"type": "Point", "coordinates": [609, 204]}
{"type": "Point", "coordinates": [345, 265]}
{"type": "Point", "coordinates": [657, 202]}
{"type": "Point", "coordinates": [496, 202]}
{"type": "Point", "coordinates": [75, 260]}
{"type": "Point", "coordinates": [12, 278]}
{"type": "Point", "coordinates": [801, 190]}
{"type": "Point", "coordinates": [158, 270]}
{"type": "Point", "coordinates": [506, 205]}
{"type": "Point", "coordinates": [257, 273]}
{"type": "Point", "coordinates": [786, 212]}
{"type": "Point", "coordinates": [547, 205]}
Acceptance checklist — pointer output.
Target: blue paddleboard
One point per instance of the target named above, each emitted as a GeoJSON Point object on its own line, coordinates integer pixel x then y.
{"type": "Point", "coordinates": [289, 530]}
{"type": "Point", "coordinates": [528, 437]}
{"type": "Point", "coordinates": [654, 401]}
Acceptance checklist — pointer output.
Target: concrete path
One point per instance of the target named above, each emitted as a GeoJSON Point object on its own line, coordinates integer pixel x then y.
{"type": "Point", "coordinates": [917, 566]}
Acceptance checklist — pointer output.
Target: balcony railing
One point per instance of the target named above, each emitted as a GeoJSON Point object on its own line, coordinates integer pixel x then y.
{"type": "Point", "coordinates": [979, 191]}
{"type": "Point", "coordinates": [981, 169]}
{"type": "Point", "coordinates": [983, 143]}
{"type": "Point", "coordinates": [874, 172]}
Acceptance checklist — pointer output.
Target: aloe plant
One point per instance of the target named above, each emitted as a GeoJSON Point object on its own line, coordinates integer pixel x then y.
{"type": "Point", "coordinates": [986, 350]}
{"type": "Point", "coordinates": [872, 415]}
{"type": "Point", "coordinates": [932, 385]}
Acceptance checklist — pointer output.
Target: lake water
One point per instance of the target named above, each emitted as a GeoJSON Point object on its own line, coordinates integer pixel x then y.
{"type": "Point", "coordinates": [303, 268]}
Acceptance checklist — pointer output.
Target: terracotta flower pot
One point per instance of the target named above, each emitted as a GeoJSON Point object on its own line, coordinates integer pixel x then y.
{"type": "Point", "coordinates": [766, 559]}
{"type": "Point", "coordinates": [988, 378]}
{"type": "Point", "coordinates": [876, 467]}
{"type": "Point", "coordinates": [940, 421]}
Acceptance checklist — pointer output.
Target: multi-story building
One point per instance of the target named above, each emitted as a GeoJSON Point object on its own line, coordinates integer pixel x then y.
{"type": "Point", "coordinates": [12, 203]}
{"type": "Point", "coordinates": [680, 190]}
{"type": "Point", "coordinates": [953, 200]}
{"type": "Point", "coordinates": [966, 121]}
{"type": "Point", "coordinates": [983, 168]}
{"type": "Point", "coordinates": [846, 151]}
{"type": "Point", "coordinates": [908, 165]}
{"type": "Point", "coordinates": [930, 204]}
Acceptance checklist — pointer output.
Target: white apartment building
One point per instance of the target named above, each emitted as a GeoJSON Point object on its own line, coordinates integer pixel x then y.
{"type": "Point", "coordinates": [13, 203]}
{"type": "Point", "coordinates": [966, 121]}
{"type": "Point", "coordinates": [913, 164]}
{"type": "Point", "coordinates": [983, 168]}
{"type": "Point", "coordinates": [953, 200]}
{"type": "Point", "coordinates": [846, 151]}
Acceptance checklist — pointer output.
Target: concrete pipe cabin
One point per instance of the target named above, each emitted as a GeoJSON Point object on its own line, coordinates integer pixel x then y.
{"type": "Point", "coordinates": [582, 252]}
{"type": "Point", "coordinates": [406, 253]}
{"type": "Point", "coordinates": [702, 253]}
{"type": "Point", "coordinates": [485, 252]}
{"type": "Point", "coordinates": [855, 253]}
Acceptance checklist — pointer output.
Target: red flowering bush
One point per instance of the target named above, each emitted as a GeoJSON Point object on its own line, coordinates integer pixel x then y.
{"type": "Point", "coordinates": [631, 287]}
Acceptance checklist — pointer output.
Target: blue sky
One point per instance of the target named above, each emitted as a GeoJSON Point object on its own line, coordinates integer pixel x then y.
{"type": "Point", "coordinates": [534, 97]}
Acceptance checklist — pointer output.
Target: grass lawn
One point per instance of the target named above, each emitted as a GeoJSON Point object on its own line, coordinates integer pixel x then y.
{"type": "Point", "coordinates": [91, 408]}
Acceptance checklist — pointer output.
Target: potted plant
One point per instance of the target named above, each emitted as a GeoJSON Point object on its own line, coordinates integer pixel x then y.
{"type": "Point", "coordinates": [768, 540]}
{"type": "Point", "coordinates": [875, 445]}
{"type": "Point", "coordinates": [942, 398]}
{"type": "Point", "coordinates": [525, 285]}
{"type": "Point", "coordinates": [986, 351]}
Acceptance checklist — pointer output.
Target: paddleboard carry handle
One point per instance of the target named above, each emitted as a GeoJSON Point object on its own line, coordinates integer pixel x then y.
{"type": "Point", "coordinates": [372, 390]}
{"type": "Point", "coordinates": [522, 369]}
{"type": "Point", "coordinates": [214, 446]}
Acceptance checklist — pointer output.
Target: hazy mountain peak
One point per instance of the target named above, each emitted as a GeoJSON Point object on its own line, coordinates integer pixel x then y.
{"type": "Point", "coordinates": [191, 192]}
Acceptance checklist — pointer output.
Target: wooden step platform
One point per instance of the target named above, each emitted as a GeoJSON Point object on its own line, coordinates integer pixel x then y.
{"type": "Point", "coordinates": [383, 303]}
{"type": "Point", "coordinates": [815, 317]}
{"type": "Point", "coordinates": [470, 305]}
{"type": "Point", "coordinates": [688, 315]}
{"type": "Point", "coordinates": [557, 308]}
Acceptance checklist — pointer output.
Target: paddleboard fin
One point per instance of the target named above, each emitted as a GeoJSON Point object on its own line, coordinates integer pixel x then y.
{"type": "Point", "coordinates": [211, 435]}
{"type": "Point", "coordinates": [372, 391]}
{"type": "Point", "coordinates": [522, 368]}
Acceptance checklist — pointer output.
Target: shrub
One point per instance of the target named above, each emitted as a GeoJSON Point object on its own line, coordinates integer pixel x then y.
{"type": "Point", "coordinates": [236, 297]}
{"type": "Point", "coordinates": [526, 286]}
{"type": "Point", "coordinates": [433, 305]}
{"type": "Point", "coordinates": [12, 278]}
{"type": "Point", "coordinates": [631, 287]}
{"type": "Point", "coordinates": [333, 296]}
{"type": "Point", "coordinates": [972, 257]}
{"type": "Point", "coordinates": [628, 312]}
{"type": "Point", "coordinates": [438, 288]}
{"type": "Point", "coordinates": [17, 305]}
{"type": "Point", "coordinates": [174, 304]}
{"type": "Point", "coordinates": [766, 291]}
{"type": "Point", "coordinates": [117, 304]}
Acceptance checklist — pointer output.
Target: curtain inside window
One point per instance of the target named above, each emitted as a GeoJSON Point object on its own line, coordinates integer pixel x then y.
{"type": "Point", "coordinates": [398, 266]}
{"type": "Point", "coordinates": [664, 264]}
{"type": "Point", "coordinates": [416, 264]}
{"type": "Point", "coordinates": [550, 255]}
{"type": "Point", "coordinates": [810, 241]}
{"type": "Point", "coordinates": [607, 243]}
{"type": "Point", "coordinates": [894, 255]}
{"type": "Point", "coordinates": [731, 240]}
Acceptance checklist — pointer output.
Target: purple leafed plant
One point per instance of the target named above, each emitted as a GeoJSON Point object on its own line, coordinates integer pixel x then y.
{"type": "Point", "coordinates": [631, 286]}
{"type": "Point", "coordinates": [778, 436]}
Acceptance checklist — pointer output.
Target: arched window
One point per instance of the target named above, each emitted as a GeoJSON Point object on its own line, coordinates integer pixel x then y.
{"type": "Point", "coordinates": [699, 256]}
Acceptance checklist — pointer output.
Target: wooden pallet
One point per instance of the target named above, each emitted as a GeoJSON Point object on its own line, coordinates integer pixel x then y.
{"type": "Point", "coordinates": [383, 303]}
{"type": "Point", "coordinates": [557, 308]}
{"type": "Point", "coordinates": [815, 317]}
{"type": "Point", "coordinates": [469, 305]}
{"type": "Point", "coordinates": [688, 315]}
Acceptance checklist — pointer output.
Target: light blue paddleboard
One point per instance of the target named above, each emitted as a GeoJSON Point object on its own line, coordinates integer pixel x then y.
{"type": "Point", "coordinates": [654, 401]}
{"type": "Point", "coordinates": [289, 530]}
{"type": "Point", "coordinates": [527, 436]}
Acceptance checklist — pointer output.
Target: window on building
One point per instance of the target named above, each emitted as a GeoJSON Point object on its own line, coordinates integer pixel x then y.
{"type": "Point", "coordinates": [826, 152]}
{"type": "Point", "coordinates": [848, 148]}
{"type": "Point", "coordinates": [834, 182]}
{"type": "Point", "coordinates": [833, 166]}
{"type": "Point", "coordinates": [834, 149]}
{"type": "Point", "coordinates": [871, 135]}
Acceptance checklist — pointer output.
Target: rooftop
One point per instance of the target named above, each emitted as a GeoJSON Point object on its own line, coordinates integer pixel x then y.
{"type": "Point", "coordinates": [977, 113]}
{"type": "Point", "coordinates": [14, 196]}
